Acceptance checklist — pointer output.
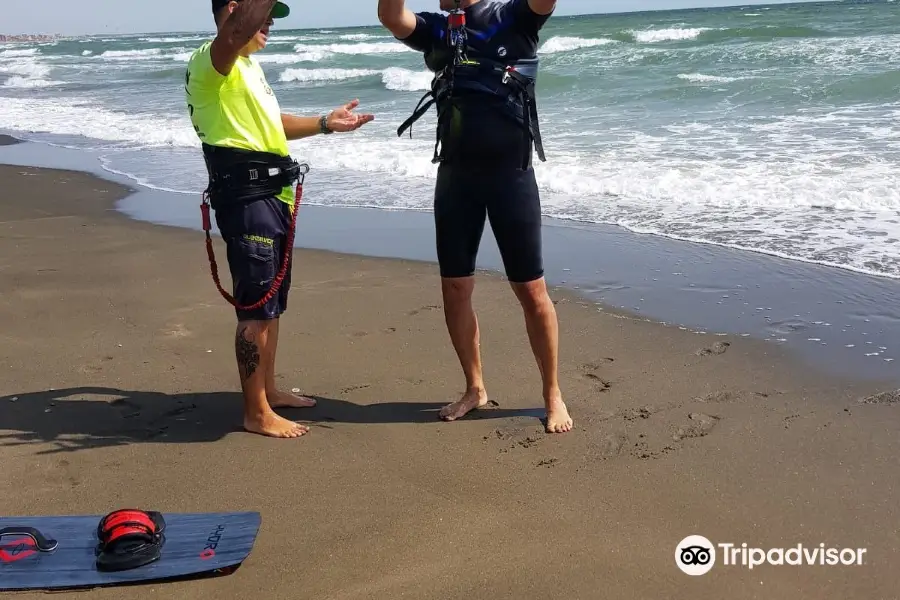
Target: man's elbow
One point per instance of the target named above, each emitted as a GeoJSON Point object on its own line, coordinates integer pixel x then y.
{"type": "Point", "coordinates": [389, 19]}
{"type": "Point", "coordinates": [386, 13]}
{"type": "Point", "coordinates": [542, 7]}
{"type": "Point", "coordinates": [396, 21]}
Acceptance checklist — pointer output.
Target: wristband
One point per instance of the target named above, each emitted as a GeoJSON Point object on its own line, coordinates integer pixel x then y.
{"type": "Point", "coordinates": [323, 125]}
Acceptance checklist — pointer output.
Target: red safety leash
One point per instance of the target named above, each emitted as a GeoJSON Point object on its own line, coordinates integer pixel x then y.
{"type": "Point", "coordinates": [288, 253]}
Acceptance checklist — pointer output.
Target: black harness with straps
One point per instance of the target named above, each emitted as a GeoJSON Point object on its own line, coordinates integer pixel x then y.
{"type": "Point", "coordinates": [514, 84]}
{"type": "Point", "coordinates": [237, 175]}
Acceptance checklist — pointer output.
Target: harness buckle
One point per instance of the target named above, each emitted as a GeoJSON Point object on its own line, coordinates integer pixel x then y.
{"type": "Point", "coordinates": [302, 170]}
{"type": "Point", "coordinates": [254, 174]}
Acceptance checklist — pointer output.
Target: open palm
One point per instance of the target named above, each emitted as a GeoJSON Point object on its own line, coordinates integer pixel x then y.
{"type": "Point", "coordinates": [344, 119]}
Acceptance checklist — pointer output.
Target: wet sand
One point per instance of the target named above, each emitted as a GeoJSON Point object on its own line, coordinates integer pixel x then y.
{"type": "Point", "coordinates": [119, 389]}
{"type": "Point", "coordinates": [831, 318]}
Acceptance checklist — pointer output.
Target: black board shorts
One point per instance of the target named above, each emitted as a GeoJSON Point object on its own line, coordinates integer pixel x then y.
{"type": "Point", "coordinates": [509, 197]}
{"type": "Point", "coordinates": [255, 235]}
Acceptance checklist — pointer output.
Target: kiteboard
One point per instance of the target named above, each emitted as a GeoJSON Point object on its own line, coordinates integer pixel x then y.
{"type": "Point", "coordinates": [123, 547]}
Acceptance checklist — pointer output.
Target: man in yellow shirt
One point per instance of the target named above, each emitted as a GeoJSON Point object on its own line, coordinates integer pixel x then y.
{"type": "Point", "coordinates": [244, 136]}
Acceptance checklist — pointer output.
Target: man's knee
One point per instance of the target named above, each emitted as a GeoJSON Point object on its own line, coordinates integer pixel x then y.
{"type": "Point", "coordinates": [533, 297]}
{"type": "Point", "coordinates": [457, 290]}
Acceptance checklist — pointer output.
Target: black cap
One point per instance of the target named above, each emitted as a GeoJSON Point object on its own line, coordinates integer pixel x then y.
{"type": "Point", "coordinates": [279, 11]}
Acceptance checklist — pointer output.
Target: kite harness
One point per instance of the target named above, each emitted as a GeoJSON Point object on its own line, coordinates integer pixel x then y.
{"type": "Point", "coordinates": [245, 176]}
{"type": "Point", "coordinates": [129, 538]}
{"type": "Point", "coordinates": [514, 83]}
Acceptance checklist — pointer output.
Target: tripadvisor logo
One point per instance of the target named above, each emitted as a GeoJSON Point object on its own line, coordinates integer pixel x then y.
{"type": "Point", "coordinates": [696, 555]}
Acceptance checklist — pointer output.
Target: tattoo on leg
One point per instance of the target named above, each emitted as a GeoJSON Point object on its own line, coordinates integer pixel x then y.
{"type": "Point", "coordinates": [247, 353]}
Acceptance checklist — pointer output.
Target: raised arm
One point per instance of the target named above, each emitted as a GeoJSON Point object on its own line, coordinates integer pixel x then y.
{"type": "Point", "coordinates": [398, 19]}
{"type": "Point", "coordinates": [239, 27]}
{"type": "Point", "coordinates": [542, 7]}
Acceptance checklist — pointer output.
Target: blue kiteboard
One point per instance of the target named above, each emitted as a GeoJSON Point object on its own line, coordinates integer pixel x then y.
{"type": "Point", "coordinates": [72, 552]}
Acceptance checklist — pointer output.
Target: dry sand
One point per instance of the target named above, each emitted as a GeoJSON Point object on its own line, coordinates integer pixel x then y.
{"type": "Point", "coordinates": [119, 389]}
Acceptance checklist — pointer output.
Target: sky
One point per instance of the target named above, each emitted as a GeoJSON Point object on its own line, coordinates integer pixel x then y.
{"type": "Point", "coordinates": [77, 17]}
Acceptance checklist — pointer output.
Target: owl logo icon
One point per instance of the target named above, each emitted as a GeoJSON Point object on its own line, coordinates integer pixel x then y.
{"type": "Point", "coordinates": [695, 555]}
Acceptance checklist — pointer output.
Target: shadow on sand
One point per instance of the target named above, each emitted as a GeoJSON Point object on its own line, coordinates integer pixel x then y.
{"type": "Point", "coordinates": [95, 417]}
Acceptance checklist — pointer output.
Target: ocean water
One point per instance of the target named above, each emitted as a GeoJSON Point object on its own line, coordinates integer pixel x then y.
{"type": "Point", "coordinates": [774, 128]}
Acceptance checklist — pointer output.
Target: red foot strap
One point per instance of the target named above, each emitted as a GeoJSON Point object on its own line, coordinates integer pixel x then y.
{"type": "Point", "coordinates": [119, 522]}
{"type": "Point", "coordinates": [129, 538]}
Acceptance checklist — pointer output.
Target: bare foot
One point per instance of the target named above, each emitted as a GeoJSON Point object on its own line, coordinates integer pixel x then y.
{"type": "Point", "coordinates": [279, 399]}
{"type": "Point", "coordinates": [272, 425]}
{"type": "Point", "coordinates": [471, 400]}
{"type": "Point", "coordinates": [558, 419]}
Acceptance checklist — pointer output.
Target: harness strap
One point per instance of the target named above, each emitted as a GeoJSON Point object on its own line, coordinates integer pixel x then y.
{"type": "Point", "coordinates": [417, 113]}
{"type": "Point", "coordinates": [129, 538]}
{"type": "Point", "coordinates": [536, 132]}
{"type": "Point", "coordinates": [245, 175]}
{"type": "Point", "coordinates": [530, 115]}
{"type": "Point", "coordinates": [421, 109]}
{"type": "Point", "coordinates": [524, 89]}
{"type": "Point", "coordinates": [260, 173]}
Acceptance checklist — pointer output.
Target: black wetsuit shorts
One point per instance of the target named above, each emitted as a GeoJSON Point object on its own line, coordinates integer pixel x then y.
{"type": "Point", "coordinates": [255, 235]}
{"type": "Point", "coordinates": [507, 196]}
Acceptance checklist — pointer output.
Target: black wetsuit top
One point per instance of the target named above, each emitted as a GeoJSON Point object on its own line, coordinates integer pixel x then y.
{"type": "Point", "coordinates": [504, 31]}
{"type": "Point", "coordinates": [482, 175]}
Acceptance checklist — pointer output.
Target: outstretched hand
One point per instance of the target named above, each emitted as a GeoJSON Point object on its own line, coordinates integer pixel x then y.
{"type": "Point", "coordinates": [344, 119]}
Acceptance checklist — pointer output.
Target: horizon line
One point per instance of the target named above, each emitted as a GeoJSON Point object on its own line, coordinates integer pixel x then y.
{"type": "Point", "coordinates": [731, 4]}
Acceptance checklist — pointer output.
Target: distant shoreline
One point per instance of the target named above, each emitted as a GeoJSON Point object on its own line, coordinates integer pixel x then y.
{"type": "Point", "coordinates": [29, 38]}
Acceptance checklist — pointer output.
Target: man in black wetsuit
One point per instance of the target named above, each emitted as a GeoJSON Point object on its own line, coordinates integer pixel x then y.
{"type": "Point", "coordinates": [485, 56]}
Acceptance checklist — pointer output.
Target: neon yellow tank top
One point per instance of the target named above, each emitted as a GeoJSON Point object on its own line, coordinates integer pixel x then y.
{"type": "Point", "coordinates": [235, 111]}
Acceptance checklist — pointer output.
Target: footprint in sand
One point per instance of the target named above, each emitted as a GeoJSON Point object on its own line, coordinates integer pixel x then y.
{"type": "Point", "coordinates": [728, 397]}
{"type": "Point", "coordinates": [715, 349]}
{"type": "Point", "coordinates": [720, 397]}
{"type": "Point", "coordinates": [634, 414]}
{"type": "Point", "coordinates": [519, 437]}
{"type": "Point", "coordinates": [642, 450]}
{"type": "Point", "coordinates": [700, 426]}
{"type": "Point", "coordinates": [589, 371]}
{"type": "Point", "coordinates": [177, 412]}
{"type": "Point", "coordinates": [602, 384]}
{"type": "Point", "coordinates": [596, 366]}
{"type": "Point", "coordinates": [609, 446]}
{"type": "Point", "coordinates": [413, 313]}
{"type": "Point", "coordinates": [529, 441]}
